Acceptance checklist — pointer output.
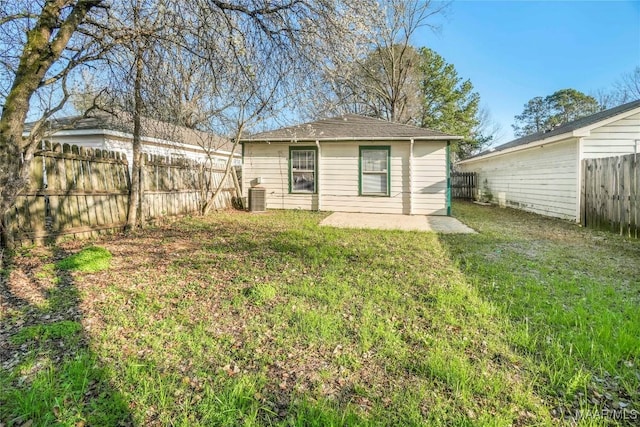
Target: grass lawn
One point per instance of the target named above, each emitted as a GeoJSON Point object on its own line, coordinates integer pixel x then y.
{"type": "Point", "coordinates": [241, 319]}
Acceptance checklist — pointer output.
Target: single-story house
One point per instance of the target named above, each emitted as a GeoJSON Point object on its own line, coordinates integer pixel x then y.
{"type": "Point", "coordinates": [114, 132]}
{"type": "Point", "coordinates": [350, 164]}
{"type": "Point", "coordinates": [542, 173]}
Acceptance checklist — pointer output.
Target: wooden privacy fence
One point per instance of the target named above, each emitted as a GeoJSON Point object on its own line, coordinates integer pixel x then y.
{"type": "Point", "coordinates": [73, 190]}
{"type": "Point", "coordinates": [611, 194]}
{"type": "Point", "coordinates": [463, 185]}
{"type": "Point", "coordinates": [179, 186]}
{"type": "Point", "coordinates": [76, 191]}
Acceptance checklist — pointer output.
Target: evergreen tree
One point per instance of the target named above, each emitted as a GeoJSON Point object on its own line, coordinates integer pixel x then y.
{"type": "Point", "coordinates": [417, 87]}
{"type": "Point", "coordinates": [569, 105]}
{"type": "Point", "coordinates": [563, 106]}
{"type": "Point", "coordinates": [534, 118]}
{"type": "Point", "coordinates": [448, 103]}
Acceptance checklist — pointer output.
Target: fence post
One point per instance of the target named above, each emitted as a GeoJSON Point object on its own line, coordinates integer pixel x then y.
{"type": "Point", "coordinates": [583, 193]}
{"type": "Point", "coordinates": [635, 206]}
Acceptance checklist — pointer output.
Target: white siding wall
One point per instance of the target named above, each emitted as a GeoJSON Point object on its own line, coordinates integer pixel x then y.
{"type": "Point", "coordinates": [338, 178]}
{"type": "Point", "coordinates": [125, 146]}
{"type": "Point", "coordinates": [270, 162]}
{"type": "Point", "coordinates": [541, 179]}
{"type": "Point", "coordinates": [430, 178]}
{"type": "Point", "coordinates": [615, 139]}
{"type": "Point", "coordinates": [90, 141]}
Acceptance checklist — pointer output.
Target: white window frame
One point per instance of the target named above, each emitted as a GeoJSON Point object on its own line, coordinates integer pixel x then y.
{"type": "Point", "coordinates": [363, 172]}
{"type": "Point", "coordinates": [293, 170]}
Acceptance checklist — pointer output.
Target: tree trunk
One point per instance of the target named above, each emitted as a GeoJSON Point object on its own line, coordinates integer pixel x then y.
{"type": "Point", "coordinates": [40, 52]}
{"type": "Point", "coordinates": [206, 208]}
{"type": "Point", "coordinates": [134, 194]}
{"type": "Point", "coordinates": [15, 160]}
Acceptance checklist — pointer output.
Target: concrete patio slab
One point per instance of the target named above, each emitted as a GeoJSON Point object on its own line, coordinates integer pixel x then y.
{"type": "Point", "coordinates": [438, 224]}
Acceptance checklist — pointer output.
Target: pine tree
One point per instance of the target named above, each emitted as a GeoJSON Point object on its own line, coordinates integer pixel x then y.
{"type": "Point", "coordinates": [563, 106]}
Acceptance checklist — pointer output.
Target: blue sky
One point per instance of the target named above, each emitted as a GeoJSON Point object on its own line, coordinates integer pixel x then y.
{"type": "Point", "coordinates": [515, 50]}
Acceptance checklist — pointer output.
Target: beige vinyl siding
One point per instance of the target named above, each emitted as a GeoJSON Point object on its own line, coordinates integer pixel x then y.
{"type": "Point", "coordinates": [339, 179]}
{"type": "Point", "coordinates": [270, 162]}
{"type": "Point", "coordinates": [614, 139]}
{"type": "Point", "coordinates": [541, 179]}
{"type": "Point", "coordinates": [430, 178]}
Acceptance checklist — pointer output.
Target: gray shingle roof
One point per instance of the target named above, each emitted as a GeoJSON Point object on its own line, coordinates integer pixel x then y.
{"type": "Point", "coordinates": [123, 122]}
{"type": "Point", "coordinates": [349, 127]}
{"type": "Point", "coordinates": [565, 128]}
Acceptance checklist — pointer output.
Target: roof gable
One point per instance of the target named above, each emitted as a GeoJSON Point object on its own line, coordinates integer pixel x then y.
{"type": "Point", "coordinates": [576, 125]}
{"type": "Point", "coordinates": [349, 127]}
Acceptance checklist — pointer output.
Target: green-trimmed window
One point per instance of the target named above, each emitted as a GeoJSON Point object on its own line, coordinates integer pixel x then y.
{"type": "Point", "coordinates": [303, 168]}
{"type": "Point", "coordinates": [375, 165]}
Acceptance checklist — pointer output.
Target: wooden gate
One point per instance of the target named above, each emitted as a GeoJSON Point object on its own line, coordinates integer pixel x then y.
{"type": "Point", "coordinates": [463, 185]}
{"type": "Point", "coordinates": [611, 194]}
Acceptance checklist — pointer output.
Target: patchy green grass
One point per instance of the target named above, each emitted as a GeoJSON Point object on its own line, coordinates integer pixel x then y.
{"type": "Point", "coordinates": [45, 391]}
{"type": "Point", "coordinates": [57, 330]}
{"type": "Point", "coordinates": [240, 319]}
{"type": "Point", "coordinates": [572, 297]}
{"type": "Point", "coordinates": [89, 260]}
{"type": "Point", "coordinates": [261, 293]}
{"type": "Point", "coordinates": [48, 375]}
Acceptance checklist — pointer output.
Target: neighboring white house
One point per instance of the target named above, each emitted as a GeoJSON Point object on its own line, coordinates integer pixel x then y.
{"type": "Point", "coordinates": [115, 133]}
{"type": "Point", "coordinates": [542, 172]}
{"type": "Point", "coordinates": [351, 164]}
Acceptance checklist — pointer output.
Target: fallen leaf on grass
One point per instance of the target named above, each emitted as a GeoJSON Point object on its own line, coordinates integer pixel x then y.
{"type": "Point", "coordinates": [231, 371]}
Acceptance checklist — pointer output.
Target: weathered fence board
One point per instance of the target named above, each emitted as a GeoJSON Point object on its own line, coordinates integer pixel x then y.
{"type": "Point", "coordinates": [179, 187]}
{"type": "Point", "coordinates": [610, 194]}
{"type": "Point", "coordinates": [463, 185]}
{"type": "Point", "coordinates": [82, 191]}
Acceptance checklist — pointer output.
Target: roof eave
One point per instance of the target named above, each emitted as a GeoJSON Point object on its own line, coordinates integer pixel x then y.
{"type": "Point", "coordinates": [533, 144]}
{"type": "Point", "coordinates": [348, 139]}
{"type": "Point", "coordinates": [126, 135]}
{"type": "Point", "coordinates": [580, 132]}
{"type": "Point", "coordinates": [588, 128]}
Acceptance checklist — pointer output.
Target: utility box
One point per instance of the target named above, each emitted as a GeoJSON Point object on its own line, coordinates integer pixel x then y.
{"type": "Point", "coordinates": [257, 199]}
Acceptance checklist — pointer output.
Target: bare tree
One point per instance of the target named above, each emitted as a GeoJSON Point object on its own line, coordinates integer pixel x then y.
{"type": "Point", "coordinates": [135, 30]}
{"type": "Point", "coordinates": [225, 66]}
{"type": "Point", "coordinates": [42, 43]}
{"type": "Point", "coordinates": [484, 134]}
{"type": "Point", "coordinates": [384, 82]}
{"type": "Point", "coordinates": [256, 97]}
{"type": "Point", "coordinates": [391, 68]}
{"type": "Point", "coordinates": [259, 56]}
{"type": "Point", "coordinates": [606, 98]}
{"type": "Point", "coordinates": [183, 89]}
{"type": "Point", "coordinates": [627, 88]}
{"type": "Point", "coordinates": [623, 90]}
